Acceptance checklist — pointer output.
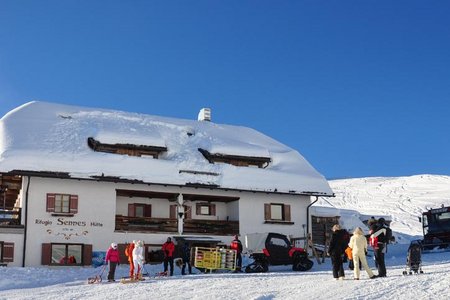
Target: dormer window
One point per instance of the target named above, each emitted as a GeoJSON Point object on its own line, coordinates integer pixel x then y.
{"type": "Point", "coordinates": [126, 149]}
{"type": "Point", "coordinates": [236, 160]}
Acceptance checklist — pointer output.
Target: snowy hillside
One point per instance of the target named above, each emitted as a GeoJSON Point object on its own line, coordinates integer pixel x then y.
{"type": "Point", "coordinates": [402, 198]}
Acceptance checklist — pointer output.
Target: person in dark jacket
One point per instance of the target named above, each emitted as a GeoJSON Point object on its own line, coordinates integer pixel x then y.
{"type": "Point", "coordinates": [168, 248]}
{"type": "Point", "coordinates": [237, 245]}
{"type": "Point", "coordinates": [338, 244]}
{"type": "Point", "coordinates": [378, 243]}
{"type": "Point", "coordinates": [186, 255]}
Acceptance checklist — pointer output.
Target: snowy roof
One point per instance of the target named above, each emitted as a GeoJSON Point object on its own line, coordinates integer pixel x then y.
{"type": "Point", "coordinates": [48, 137]}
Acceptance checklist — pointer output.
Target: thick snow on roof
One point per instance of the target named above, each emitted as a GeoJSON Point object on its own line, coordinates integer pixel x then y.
{"type": "Point", "coordinates": [41, 136]}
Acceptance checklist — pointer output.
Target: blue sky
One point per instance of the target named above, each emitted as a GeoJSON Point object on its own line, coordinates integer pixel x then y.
{"type": "Point", "coordinates": [360, 88]}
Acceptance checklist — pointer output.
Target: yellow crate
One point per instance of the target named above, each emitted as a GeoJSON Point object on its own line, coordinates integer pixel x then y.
{"type": "Point", "coordinates": [215, 258]}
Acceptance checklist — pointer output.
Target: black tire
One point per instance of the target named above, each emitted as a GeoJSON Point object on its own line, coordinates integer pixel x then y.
{"type": "Point", "coordinates": [302, 264]}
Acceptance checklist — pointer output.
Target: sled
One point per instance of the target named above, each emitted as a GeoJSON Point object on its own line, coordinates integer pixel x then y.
{"type": "Point", "coordinates": [126, 280]}
{"type": "Point", "coordinates": [97, 278]}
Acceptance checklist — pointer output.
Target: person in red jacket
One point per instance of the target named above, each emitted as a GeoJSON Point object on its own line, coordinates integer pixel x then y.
{"type": "Point", "coordinates": [129, 255]}
{"type": "Point", "coordinates": [168, 248]}
{"type": "Point", "coordinates": [237, 245]}
{"type": "Point", "coordinates": [112, 256]}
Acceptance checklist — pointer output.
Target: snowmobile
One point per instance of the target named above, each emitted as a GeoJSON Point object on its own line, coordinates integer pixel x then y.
{"type": "Point", "coordinates": [436, 228]}
{"type": "Point", "coordinates": [274, 249]}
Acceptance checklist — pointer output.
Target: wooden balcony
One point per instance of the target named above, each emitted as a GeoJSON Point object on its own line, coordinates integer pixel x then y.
{"type": "Point", "coordinates": [191, 226]}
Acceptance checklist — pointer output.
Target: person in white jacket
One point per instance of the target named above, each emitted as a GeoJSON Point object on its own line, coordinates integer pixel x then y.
{"type": "Point", "coordinates": [138, 259]}
{"type": "Point", "coordinates": [358, 243]}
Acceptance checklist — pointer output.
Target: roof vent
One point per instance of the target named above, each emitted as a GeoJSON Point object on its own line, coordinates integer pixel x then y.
{"type": "Point", "coordinates": [204, 114]}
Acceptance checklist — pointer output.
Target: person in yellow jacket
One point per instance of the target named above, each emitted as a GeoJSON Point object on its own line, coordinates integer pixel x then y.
{"type": "Point", "coordinates": [358, 243]}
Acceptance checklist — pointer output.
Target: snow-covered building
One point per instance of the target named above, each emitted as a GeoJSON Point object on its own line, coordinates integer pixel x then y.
{"type": "Point", "coordinates": [74, 179]}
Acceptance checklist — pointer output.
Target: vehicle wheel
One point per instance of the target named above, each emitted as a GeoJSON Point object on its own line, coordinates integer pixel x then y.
{"type": "Point", "coordinates": [302, 264]}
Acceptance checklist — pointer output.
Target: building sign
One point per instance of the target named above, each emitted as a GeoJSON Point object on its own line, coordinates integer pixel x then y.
{"type": "Point", "coordinates": [67, 228]}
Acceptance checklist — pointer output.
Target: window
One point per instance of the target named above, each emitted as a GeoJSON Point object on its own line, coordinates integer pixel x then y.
{"type": "Point", "coordinates": [277, 213]}
{"type": "Point", "coordinates": [66, 254]}
{"type": "Point", "coordinates": [141, 210]}
{"type": "Point", "coordinates": [205, 209]}
{"type": "Point", "coordinates": [62, 204]}
{"type": "Point", "coordinates": [174, 211]}
{"type": "Point", "coordinates": [236, 160]}
{"type": "Point", "coordinates": [127, 149]}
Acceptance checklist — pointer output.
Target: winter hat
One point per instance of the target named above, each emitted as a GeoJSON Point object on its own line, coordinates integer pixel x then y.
{"type": "Point", "coordinates": [336, 227]}
{"type": "Point", "coordinates": [358, 231]}
{"type": "Point", "coordinates": [381, 221]}
{"type": "Point", "coordinates": [114, 245]}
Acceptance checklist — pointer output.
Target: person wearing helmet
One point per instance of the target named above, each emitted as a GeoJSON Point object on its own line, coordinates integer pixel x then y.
{"type": "Point", "coordinates": [237, 245]}
{"type": "Point", "coordinates": [112, 257]}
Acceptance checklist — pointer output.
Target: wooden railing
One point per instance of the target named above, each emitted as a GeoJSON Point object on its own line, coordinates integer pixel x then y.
{"type": "Point", "coordinates": [10, 217]}
{"type": "Point", "coordinates": [191, 226]}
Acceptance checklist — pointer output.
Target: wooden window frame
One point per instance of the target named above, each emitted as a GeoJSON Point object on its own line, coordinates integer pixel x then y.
{"type": "Point", "coordinates": [147, 209]}
{"type": "Point", "coordinates": [286, 214]}
{"type": "Point", "coordinates": [86, 254]}
{"type": "Point", "coordinates": [127, 149]}
{"type": "Point", "coordinates": [51, 204]}
{"type": "Point", "coordinates": [173, 212]}
{"type": "Point", "coordinates": [236, 160]}
{"type": "Point", "coordinates": [211, 207]}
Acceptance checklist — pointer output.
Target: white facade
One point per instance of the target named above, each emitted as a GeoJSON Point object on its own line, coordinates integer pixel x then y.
{"type": "Point", "coordinates": [94, 223]}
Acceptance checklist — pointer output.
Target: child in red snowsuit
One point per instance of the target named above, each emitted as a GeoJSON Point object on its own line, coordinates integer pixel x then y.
{"type": "Point", "coordinates": [129, 255]}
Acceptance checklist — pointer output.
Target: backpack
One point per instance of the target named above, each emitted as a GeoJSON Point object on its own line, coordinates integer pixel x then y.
{"type": "Point", "coordinates": [388, 236]}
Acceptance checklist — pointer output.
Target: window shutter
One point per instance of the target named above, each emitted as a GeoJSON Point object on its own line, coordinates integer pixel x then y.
{"type": "Point", "coordinates": [50, 202]}
{"type": "Point", "coordinates": [287, 212]}
{"type": "Point", "coordinates": [148, 211]}
{"type": "Point", "coordinates": [8, 252]}
{"type": "Point", "coordinates": [46, 258]}
{"type": "Point", "coordinates": [173, 211]}
{"type": "Point", "coordinates": [198, 209]}
{"type": "Point", "coordinates": [87, 254]}
{"type": "Point", "coordinates": [131, 210]}
{"type": "Point", "coordinates": [73, 202]}
{"type": "Point", "coordinates": [122, 257]}
{"type": "Point", "coordinates": [212, 209]}
{"type": "Point", "coordinates": [267, 212]}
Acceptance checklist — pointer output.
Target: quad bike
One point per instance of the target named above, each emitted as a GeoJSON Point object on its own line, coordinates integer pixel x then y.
{"type": "Point", "coordinates": [274, 249]}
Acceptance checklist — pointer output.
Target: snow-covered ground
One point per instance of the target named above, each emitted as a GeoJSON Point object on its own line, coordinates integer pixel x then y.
{"type": "Point", "coordinates": [401, 198]}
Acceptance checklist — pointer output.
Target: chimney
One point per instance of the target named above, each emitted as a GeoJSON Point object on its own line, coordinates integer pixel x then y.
{"type": "Point", "coordinates": [204, 114]}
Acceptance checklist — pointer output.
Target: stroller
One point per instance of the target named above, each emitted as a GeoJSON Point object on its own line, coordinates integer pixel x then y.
{"type": "Point", "coordinates": [414, 259]}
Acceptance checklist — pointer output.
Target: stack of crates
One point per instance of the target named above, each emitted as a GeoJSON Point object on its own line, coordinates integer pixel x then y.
{"type": "Point", "coordinates": [215, 258]}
